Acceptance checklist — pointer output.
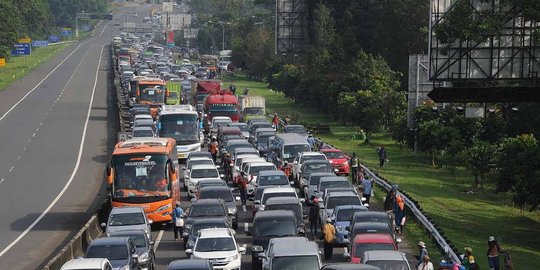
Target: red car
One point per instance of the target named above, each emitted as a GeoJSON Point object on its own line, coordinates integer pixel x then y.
{"type": "Point", "coordinates": [338, 160]}
{"type": "Point", "coordinates": [370, 241]}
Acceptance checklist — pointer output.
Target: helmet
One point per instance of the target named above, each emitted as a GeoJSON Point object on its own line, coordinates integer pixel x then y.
{"type": "Point", "coordinates": [177, 204]}
{"type": "Point", "coordinates": [491, 239]}
{"type": "Point", "coordinates": [328, 220]}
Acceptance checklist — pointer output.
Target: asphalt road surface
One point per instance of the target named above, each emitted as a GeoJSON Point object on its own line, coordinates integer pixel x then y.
{"type": "Point", "coordinates": [54, 138]}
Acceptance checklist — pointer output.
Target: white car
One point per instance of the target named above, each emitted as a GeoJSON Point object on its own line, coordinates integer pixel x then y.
{"type": "Point", "coordinates": [190, 162]}
{"type": "Point", "coordinates": [300, 158]}
{"type": "Point", "coordinates": [272, 192]}
{"type": "Point", "coordinates": [127, 218]}
{"type": "Point", "coordinates": [219, 246]}
{"type": "Point", "coordinates": [252, 173]}
{"type": "Point", "coordinates": [198, 173]}
{"type": "Point", "coordinates": [87, 264]}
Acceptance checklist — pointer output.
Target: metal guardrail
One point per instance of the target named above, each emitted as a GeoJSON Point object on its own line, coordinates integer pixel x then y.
{"type": "Point", "coordinates": [434, 233]}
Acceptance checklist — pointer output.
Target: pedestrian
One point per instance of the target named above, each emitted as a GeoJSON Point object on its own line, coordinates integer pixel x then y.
{"type": "Point", "coordinates": [468, 260]}
{"type": "Point", "coordinates": [382, 155]}
{"type": "Point", "coordinates": [233, 89]}
{"type": "Point", "coordinates": [287, 169]}
{"type": "Point", "coordinates": [389, 200]}
{"type": "Point", "coordinates": [314, 216]}
{"type": "Point", "coordinates": [214, 148]}
{"type": "Point", "coordinates": [493, 253]}
{"type": "Point", "coordinates": [310, 140]}
{"type": "Point", "coordinates": [425, 264]}
{"type": "Point", "coordinates": [422, 252]}
{"type": "Point", "coordinates": [242, 186]}
{"type": "Point", "coordinates": [178, 220]}
{"type": "Point", "coordinates": [399, 214]}
{"type": "Point", "coordinates": [228, 167]}
{"type": "Point", "coordinates": [329, 234]}
{"type": "Point", "coordinates": [354, 162]}
{"type": "Point", "coordinates": [368, 187]}
{"type": "Point", "coordinates": [275, 121]}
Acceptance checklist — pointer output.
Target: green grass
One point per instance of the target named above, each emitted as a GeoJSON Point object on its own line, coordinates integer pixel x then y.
{"type": "Point", "coordinates": [18, 67]}
{"type": "Point", "coordinates": [467, 219]}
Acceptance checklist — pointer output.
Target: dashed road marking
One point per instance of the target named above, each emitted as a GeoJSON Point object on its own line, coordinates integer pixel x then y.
{"type": "Point", "coordinates": [246, 226]}
{"type": "Point", "coordinates": [10, 170]}
{"type": "Point", "coordinates": [244, 208]}
{"type": "Point", "coordinates": [158, 239]}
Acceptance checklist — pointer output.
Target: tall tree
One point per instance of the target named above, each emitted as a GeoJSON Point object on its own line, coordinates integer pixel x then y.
{"type": "Point", "coordinates": [11, 26]}
{"type": "Point", "coordinates": [36, 17]}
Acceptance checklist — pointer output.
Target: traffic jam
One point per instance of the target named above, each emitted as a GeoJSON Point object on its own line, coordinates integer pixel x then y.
{"type": "Point", "coordinates": [206, 178]}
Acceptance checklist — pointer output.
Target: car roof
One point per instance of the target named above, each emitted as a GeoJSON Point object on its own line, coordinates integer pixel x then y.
{"type": "Point", "coordinates": [373, 238]}
{"type": "Point", "coordinates": [215, 188]}
{"type": "Point", "coordinates": [371, 214]}
{"type": "Point", "coordinates": [246, 149]}
{"type": "Point", "coordinates": [342, 194]}
{"type": "Point", "coordinates": [386, 255]}
{"type": "Point", "coordinates": [210, 220]}
{"type": "Point", "coordinates": [311, 154]}
{"type": "Point", "coordinates": [203, 166]}
{"type": "Point", "coordinates": [265, 129]}
{"type": "Point", "coordinates": [189, 264]}
{"type": "Point", "coordinates": [291, 138]}
{"type": "Point", "coordinates": [349, 266]}
{"type": "Point", "coordinates": [331, 150]}
{"type": "Point", "coordinates": [293, 246]}
{"type": "Point", "coordinates": [258, 164]}
{"type": "Point", "coordinates": [370, 225]}
{"type": "Point", "coordinates": [235, 124]}
{"type": "Point", "coordinates": [199, 154]}
{"type": "Point", "coordinates": [127, 209]}
{"type": "Point", "coordinates": [318, 161]}
{"type": "Point", "coordinates": [271, 172]}
{"type": "Point", "coordinates": [110, 241]}
{"type": "Point", "coordinates": [85, 263]}
{"type": "Point", "coordinates": [333, 178]}
{"type": "Point", "coordinates": [143, 128]}
{"type": "Point", "coordinates": [127, 232]}
{"type": "Point", "coordinates": [274, 214]}
{"type": "Point", "coordinates": [282, 200]}
{"type": "Point", "coordinates": [215, 233]}
{"type": "Point", "coordinates": [346, 207]}
{"type": "Point", "coordinates": [279, 189]}
{"type": "Point", "coordinates": [207, 201]}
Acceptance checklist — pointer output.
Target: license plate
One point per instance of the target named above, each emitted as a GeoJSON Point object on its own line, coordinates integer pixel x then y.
{"type": "Point", "coordinates": [182, 155]}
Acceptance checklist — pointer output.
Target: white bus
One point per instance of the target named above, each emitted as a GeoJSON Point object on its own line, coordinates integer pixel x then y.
{"type": "Point", "coordinates": [181, 122]}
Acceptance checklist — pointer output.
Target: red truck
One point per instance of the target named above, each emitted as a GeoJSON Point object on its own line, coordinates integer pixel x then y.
{"type": "Point", "coordinates": [200, 89]}
{"type": "Point", "coordinates": [222, 103]}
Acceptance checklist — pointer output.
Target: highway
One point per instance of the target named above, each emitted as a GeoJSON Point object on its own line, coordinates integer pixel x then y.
{"type": "Point", "coordinates": [55, 136]}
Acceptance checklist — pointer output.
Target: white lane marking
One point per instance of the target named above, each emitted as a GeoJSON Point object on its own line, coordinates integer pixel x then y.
{"type": "Point", "coordinates": [75, 169]}
{"type": "Point", "coordinates": [34, 135]}
{"type": "Point", "coordinates": [18, 158]}
{"type": "Point", "coordinates": [37, 85]}
{"type": "Point", "coordinates": [246, 226]}
{"type": "Point", "coordinates": [41, 124]}
{"type": "Point", "coordinates": [2, 180]}
{"type": "Point", "coordinates": [158, 239]}
{"type": "Point", "coordinates": [103, 31]}
{"type": "Point", "coordinates": [244, 208]}
{"type": "Point", "coordinates": [24, 149]}
{"type": "Point", "coordinates": [10, 170]}
{"type": "Point", "coordinates": [345, 250]}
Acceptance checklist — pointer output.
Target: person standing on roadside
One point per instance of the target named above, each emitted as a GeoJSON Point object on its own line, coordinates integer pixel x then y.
{"type": "Point", "coordinates": [329, 234]}
{"type": "Point", "coordinates": [314, 216]}
{"type": "Point", "coordinates": [382, 155]}
{"type": "Point", "coordinates": [178, 221]}
{"type": "Point", "coordinates": [399, 214]}
{"type": "Point", "coordinates": [354, 163]}
{"type": "Point", "coordinates": [242, 186]}
{"type": "Point", "coordinates": [425, 264]}
{"type": "Point", "coordinates": [368, 187]}
{"type": "Point", "coordinates": [468, 260]}
{"type": "Point", "coordinates": [227, 166]}
{"type": "Point", "coordinates": [493, 253]}
{"type": "Point", "coordinates": [422, 252]}
{"type": "Point", "coordinates": [275, 121]}
{"type": "Point", "coordinates": [213, 148]}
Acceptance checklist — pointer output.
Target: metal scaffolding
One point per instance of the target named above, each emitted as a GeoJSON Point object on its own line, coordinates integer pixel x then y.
{"type": "Point", "coordinates": [291, 26]}
{"type": "Point", "coordinates": [504, 67]}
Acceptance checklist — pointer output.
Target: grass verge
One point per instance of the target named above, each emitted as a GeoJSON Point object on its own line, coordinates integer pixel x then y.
{"type": "Point", "coordinates": [467, 217]}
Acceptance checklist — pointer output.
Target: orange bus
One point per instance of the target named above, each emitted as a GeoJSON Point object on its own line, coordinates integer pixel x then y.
{"type": "Point", "coordinates": [144, 172]}
{"type": "Point", "coordinates": [152, 92]}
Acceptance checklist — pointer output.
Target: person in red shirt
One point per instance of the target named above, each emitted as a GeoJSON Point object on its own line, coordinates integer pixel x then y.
{"type": "Point", "coordinates": [275, 121]}
{"type": "Point", "coordinates": [213, 148]}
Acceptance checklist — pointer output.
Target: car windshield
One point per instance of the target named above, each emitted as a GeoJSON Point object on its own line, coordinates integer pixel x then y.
{"type": "Point", "coordinates": [181, 127]}
{"type": "Point", "coordinates": [230, 108]}
{"type": "Point", "coordinates": [126, 219]}
{"type": "Point", "coordinates": [337, 201]}
{"type": "Point", "coordinates": [360, 248]}
{"type": "Point", "coordinates": [207, 210]}
{"type": "Point", "coordinates": [154, 94]}
{"type": "Point", "coordinates": [313, 157]}
{"type": "Point", "coordinates": [273, 180]}
{"type": "Point", "coordinates": [389, 265]}
{"type": "Point", "coordinates": [290, 151]}
{"type": "Point", "coordinates": [317, 167]}
{"type": "Point", "coordinates": [277, 194]}
{"type": "Point", "coordinates": [138, 239]}
{"type": "Point", "coordinates": [254, 171]}
{"type": "Point", "coordinates": [333, 184]}
{"type": "Point", "coordinates": [380, 219]}
{"type": "Point", "coordinates": [299, 130]}
{"type": "Point", "coordinates": [262, 139]}
{"type": "Point", "coordinates": [295, 208]}
{"type": "Point", "coordinates": [111, 252]}
{"type": "Point", "coordinates": [295, 262]}
{"type": "Point", "coordinates": [243, 127]}
{"type": "Point", "coordinates": [314, 180]}
{"type": "Point", "coordinates": [143, 133]}
{"type": "Point", "coordinates": [204, 173]}
{"type": "Point", "coordinates": [199, 162]}
{"type": "Point", "coordinates": [336, 155]}
{"type": "Point", "coordinates": [215, 244]}
{"type": "Point", "coordinates": [254, 111]}
{"type": "Point", "coordinates": [274, 228]}
{"type": "Point", "coordinates": [347, 214]}
{"type": "Point", "coordinates": [221, 122]}
{"type": "Point", "coordinates": [200, 225]}
{"type": "Point", "coordinates": [216, 194]}
{"type": "Point", "coordinates": [140, 176]}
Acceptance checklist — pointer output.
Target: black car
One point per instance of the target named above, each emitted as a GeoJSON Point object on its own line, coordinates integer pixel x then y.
{"type": "Point", "coordinates": [202, 208]}
{"type": "Point", "coordinates": [202, 223]}
{"type": "Point", "coordinates": [190, 264]}
{"type": "Point", "coordinates": [145, 247]}
{"type": "Point", "coordinates": [309, 167]}
{"type": "Point", "coordinates": [272, 178]}
{"type": "Point", "coordinates": [271, 224]}
{"type": "Point", "coordinates": [120, 251]}
{"type": "Point", "coordinates": [225, 194]}
{"type": "Point", "coordinates": [288, 203]}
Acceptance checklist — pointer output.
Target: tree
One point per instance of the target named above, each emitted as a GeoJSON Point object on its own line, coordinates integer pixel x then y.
{"type": "Point", "coordinates": [481, 160]}
{"type": "Point", "coordinates": [10, 26]}
{"type": "Point", "coordinates": [36, 17]}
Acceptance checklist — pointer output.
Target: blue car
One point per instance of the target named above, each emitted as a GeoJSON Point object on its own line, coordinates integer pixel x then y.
{"type": "Point", "coordinates": [341, 217]}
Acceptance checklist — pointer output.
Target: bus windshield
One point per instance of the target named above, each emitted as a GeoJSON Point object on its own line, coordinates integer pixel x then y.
{"type": "Point", "coordinates": [140, 175]}
{"type": "Point", "coordinates": [181, 127]}
{"type": "Point", "coordinates": [152, 93]}
{"type": "Point", "coordinates": [223, 109]}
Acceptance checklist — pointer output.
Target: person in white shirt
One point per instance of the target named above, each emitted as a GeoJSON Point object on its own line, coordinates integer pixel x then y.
{"type": "Point", "coordinates": [426, 264]}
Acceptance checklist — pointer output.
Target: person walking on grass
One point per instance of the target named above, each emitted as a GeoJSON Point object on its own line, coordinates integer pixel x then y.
{"type": "Point", "coordinates": [399, 214]}
{"type": "Point", "coordinates": [422, 252]}
{"type": "Point", "coordinates": [468, 260]}
{"type": "Point", "coordinates": [329, 234]}
{"type": "Point", "coordinates": [382, 155]}
{"type": "Point", "coordinates": [493, 253]}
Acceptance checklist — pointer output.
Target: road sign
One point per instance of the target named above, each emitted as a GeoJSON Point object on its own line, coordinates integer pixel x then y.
{"type": "Point", "coordinates": [2, 62]}
{"type": "Point", "coordinates": [167, 7]}
{"type": "Point", "coordinates": [82, 15]}
{"type": "Point", "coordinates": [170, 39]}
{"type": "Point", "coordinates": [190, 32]}
{"type": "Point", "coordinates": [101, 17]}
{"type": "Point", "coordinates": [21, 49]}
{"type": "Point", "coordinates": [66, 32]}
{"type": "Point", "coordinates": [25, 40]}
{"type": "Point", "coordinates": [54, 38]}
{"type": "Point", "coordinates": [179, 21]}
{"type": "Point", "coordinates": [40, 43]}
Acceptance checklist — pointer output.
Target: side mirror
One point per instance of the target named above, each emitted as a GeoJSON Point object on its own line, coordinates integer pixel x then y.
{"type": "Point", "coordinates": [363, 199]}
{"type": "Point", "coordinates": [295, 162]}
{"type": "Point", "coordinates": [257, 202]}
{"type": "Point", "coordinates": [103, 225]}
{"type": "Point", "coordinates": [301, 231]}
{"type": "Point", "coordinates": [222, 175]}
{"type": "Point", "coordinates": [302, 200]}
{"type": "Point", "coordinates": [257, 249]}
{"type": "Point", "coordinates": [184, 235]}
{"type": "Point", "coordinates": [150, 221]}
{"type": "Point", "coordinates": [135, 257]}
{"type": "Point", "coordinates": [237, 198]}
{"type": "Point", "coordinates": [261, 256]}
{"type": "Point", "coordinates": [346, 255]}
{"type": "Point", "coordinates": [292, 183]}
{"type": "Point", "coordinates": [398, 240]}
{"type": "Point", "coordinates": [151, 243]}
{"type": "Point", "coordinates": [242, 250]}
{"type": "Point", "coordinates": [189, 251]}
{"type": "Point", "coordinates": [193, 199]}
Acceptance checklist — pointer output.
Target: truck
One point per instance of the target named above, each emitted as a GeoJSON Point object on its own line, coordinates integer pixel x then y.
{"type": "Point", "coordinates": [174, 90]}
{"type": "Point", "coordinates": [202, 88]}
{"type": "Point", "coordinates": [181, 123]}
{"type": "Point", "coordinates": [252, 107]}
{"type": "Point", "coordinates": [221, 103]}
